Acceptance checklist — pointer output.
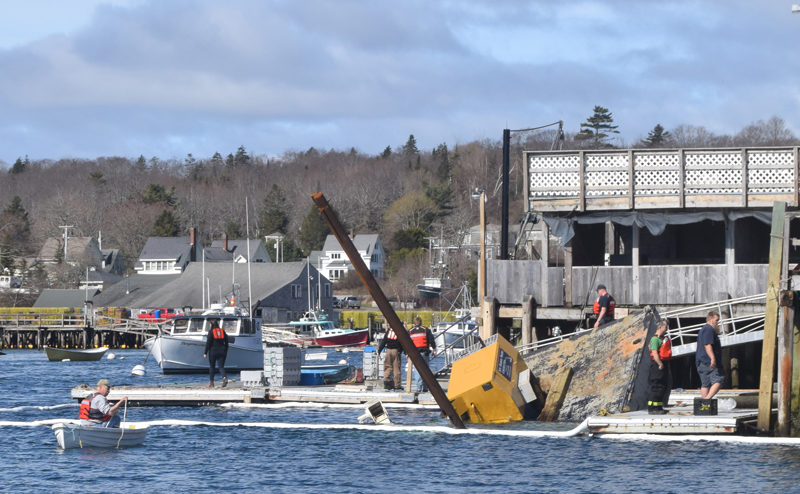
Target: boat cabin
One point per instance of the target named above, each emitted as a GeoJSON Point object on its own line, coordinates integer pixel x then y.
{"type": "Point", "coordinates": [200, 325]}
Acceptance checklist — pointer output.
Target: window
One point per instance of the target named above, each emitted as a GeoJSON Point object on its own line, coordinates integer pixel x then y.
{"type": "Point", "coordinates": [297, 291]}
{"type": "Point", "coordinates": [327, 289]}
{"type": "Point", "coordinates": [336, 255]}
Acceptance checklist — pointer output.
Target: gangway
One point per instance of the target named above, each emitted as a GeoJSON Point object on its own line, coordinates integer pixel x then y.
{"type": "Point", "coordinates": [738, 326]}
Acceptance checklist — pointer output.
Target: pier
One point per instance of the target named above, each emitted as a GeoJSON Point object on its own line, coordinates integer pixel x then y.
{"type": "Point", "coordinates": [35, 330]}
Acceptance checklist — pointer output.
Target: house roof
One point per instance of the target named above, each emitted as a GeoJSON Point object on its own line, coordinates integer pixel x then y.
{"type": "Point", "coordinates": [187, 290]}
{"type": "Point", "coordinates": [176, 249]}
{"type": "Point", "coordinates": [106, 277]}
{"type": "Point", "coordinates": [52, 297]}
{"type": "Point", "coordinates": [364, 242]}
{"type": "Point", "coordinates": [239, 247]}
{"type": "Point", "coordinates": [216, 254]}
{"type": "Point", "coordinates": [126, 292]}
{"type": "Point", "coordinates": [76, 248]}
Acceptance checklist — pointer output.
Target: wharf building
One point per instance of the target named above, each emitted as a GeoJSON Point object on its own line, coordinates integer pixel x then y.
{"type": "Point", "coordinates": [670, 228]}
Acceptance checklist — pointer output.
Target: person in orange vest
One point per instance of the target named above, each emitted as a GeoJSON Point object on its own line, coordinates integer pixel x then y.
{"type": "Point", "coordinates": [659, 374]}
{"type": "Point", "coordinates": [603, 307]}
{"type": "Point", "coordinates": [391, 361]}
{"type": "Point", "coordinates": [425, 344]}
{"type": "Point", "coordinates": [217, 351]}
{"type": "Point", "coordinates": [95, 409]}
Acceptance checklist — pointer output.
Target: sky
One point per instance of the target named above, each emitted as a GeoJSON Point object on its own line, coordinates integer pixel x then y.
{"type": "Point", "coordinates": [165, 78]}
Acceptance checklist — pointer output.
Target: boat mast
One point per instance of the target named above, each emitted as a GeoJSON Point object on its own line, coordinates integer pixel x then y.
{"type": "Point", "coordinates": [308, 280]}
{"type": "Point", "coordinates": [249, 279]}
{"type": "Point", "coordinates": [319, 283]}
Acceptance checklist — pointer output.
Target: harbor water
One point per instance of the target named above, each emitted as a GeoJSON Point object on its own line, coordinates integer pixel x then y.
{"type": "Point", "coordinates": [264, 454]}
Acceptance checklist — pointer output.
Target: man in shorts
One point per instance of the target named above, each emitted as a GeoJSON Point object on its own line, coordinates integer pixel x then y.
{"type": "Point", "coordinates": [708, 357]}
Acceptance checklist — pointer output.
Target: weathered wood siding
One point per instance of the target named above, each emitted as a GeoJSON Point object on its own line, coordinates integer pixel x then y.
{"type": "Point", "coordinates": [511, 281]}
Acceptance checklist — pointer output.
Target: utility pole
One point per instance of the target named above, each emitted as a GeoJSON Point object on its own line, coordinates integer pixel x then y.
{"type": "Point", "coordinates": [66, 238]}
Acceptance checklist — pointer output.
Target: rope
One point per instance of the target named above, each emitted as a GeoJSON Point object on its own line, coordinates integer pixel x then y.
{"type": "Point", "coordinates": [124, 419]}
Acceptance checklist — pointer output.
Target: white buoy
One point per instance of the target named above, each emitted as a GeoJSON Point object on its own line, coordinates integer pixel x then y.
{"type": "Point", "coordinates": [66, 360]}
{"type": "Point", "coordinates": [122, 358]}
{"type": "Point", "coordinates": [138, 370]}
{"type": "Point", "coordinates": [111, 356]}
{"type": "Point", "coordinates": [345, 350]}
{"type": "Point", "coordinates": [343, 362]}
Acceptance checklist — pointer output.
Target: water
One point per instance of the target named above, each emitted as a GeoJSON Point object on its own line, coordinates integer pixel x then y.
{"type": "Point", "coordinates": [258, 459]}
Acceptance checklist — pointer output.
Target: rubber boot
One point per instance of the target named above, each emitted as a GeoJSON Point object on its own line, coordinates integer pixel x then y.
{"type": "Point", "coordinates": [211, 384]}
{"type": "Point", "coordinates": [387, 385]}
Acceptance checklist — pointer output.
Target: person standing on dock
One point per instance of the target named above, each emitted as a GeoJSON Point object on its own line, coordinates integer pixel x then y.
{"type": "Point", "coordinates": [708, 357]}
{"type": "Point", "coordinates": [95, 409]}
{"type": "Point", "coordinates": [603, 307]}
{"type": "Point", "coordinates": [391, 362]}
{"type": "Point", "coordinates": [658, 376]}
{"type": "Point", "coordinates": [217, 351]}
{"type": "Point", "coordinates": [425, 344]}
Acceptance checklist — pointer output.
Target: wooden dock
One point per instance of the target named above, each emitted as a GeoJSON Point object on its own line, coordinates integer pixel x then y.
{"type": "Point", "coordinates": [679, 420]}
{"type": "Point", "coordinates": [200, 395]}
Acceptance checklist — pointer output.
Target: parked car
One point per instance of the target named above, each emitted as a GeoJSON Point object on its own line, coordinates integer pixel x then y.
{"type": "Point", "coordinates": [351, 302]}
{"type": "Point", "coordinates": [336, 302]}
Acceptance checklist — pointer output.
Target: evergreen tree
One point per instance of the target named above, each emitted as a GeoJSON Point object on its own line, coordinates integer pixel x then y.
{"type": "Point", "coordinates": [409, 238]}
{"type": "Point", "coordinates": [658, 137]}
{"type": "Point", "coordinates": [597, 128]}
{"type": "Point", "coordinates": [386, 152]}
{"type": "Point", "coordinates": [166, 225]}
{"type": "Point", "coordinates": [241, 158]}
{"type": "Point", "coordinates": [442, 196]}
{"type": "Point", "coordinates": [443, 156]}
{"type": "Point", "coordinates": [313, 231]}
{"type": "Point", "coordinates": [156, 193]}
{"type": "Point", "coordinates": [410, 147]}
{"type": "Point", "coordinates": [16, 225]}
{"type": "Point", "coordinates": [141, 163]}
{"type": "Point", "coordinates": [274, 216]}
{"type": "Point", "coordinates": [19, 166]}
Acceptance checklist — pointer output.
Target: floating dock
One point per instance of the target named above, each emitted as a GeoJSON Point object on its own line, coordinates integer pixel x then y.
{"type": "Point", "coordinates": [200, 395]}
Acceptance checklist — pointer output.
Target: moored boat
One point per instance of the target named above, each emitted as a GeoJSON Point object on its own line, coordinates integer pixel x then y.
{"type": "Point", "coordinates": [315, 328]}
{"type": "Point", "coordinates": [179, 348]}
{"type": "Point", "coordinates": [74, 354]}
{"type": "Point", "coordinates": [70, 435]}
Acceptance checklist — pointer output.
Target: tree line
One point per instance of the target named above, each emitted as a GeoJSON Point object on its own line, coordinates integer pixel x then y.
{"type": "Point", "coordinates": [405, 194]}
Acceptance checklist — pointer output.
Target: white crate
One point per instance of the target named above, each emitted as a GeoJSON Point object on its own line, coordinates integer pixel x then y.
{"type": "Point", "coordinates": [252, 378]}
{"type": "Point", "coordinates": [281, 366]}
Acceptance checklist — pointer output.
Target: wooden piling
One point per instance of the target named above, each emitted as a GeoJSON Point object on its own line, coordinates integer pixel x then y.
{"type": "Point", "coordinates": [556, 395]}
{"type": "Point", "coordinates": [528, 320]}
{"type": "Point", "coordinates": [771, 316]}
{"type": "Point", "coordinates": [785, 329]}
{"type": "Point", "coordinates": [794, 415]}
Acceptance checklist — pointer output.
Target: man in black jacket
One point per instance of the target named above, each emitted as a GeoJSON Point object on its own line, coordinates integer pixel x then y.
{"type": "Point", "coordinates": [391, 362]}
{"type": "Point", "coordinates": [217, 351]}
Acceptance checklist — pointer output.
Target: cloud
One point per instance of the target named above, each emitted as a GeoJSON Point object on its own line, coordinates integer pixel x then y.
{"type": "Point", "coordinates": [170, 78]}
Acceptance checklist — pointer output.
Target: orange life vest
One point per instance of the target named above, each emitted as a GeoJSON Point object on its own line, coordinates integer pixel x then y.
{"type": "Point", "coordinates": [218, 334]}
{"type": "Point", "coordinates": [611, 304]}
{"type": "Point", "coordinates": [419, 335]}
{"type": "Point", "coordinates": [665, 350]}
{"type": "Point", "coordinates": [86, 411]}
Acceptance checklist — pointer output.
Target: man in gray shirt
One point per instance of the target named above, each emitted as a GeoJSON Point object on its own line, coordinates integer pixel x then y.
{"type": "Point", "coordinates": [96, 410]}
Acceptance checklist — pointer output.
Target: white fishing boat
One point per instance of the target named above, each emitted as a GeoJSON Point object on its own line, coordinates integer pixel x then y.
{"type": "Point", "coordinates": [74, 354]}
{"type": "Point", "coordinates": [179, 347]}
{"type": "Point", "coordinates": [70, 435]}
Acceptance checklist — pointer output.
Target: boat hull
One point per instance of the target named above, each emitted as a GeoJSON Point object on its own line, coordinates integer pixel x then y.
{"type": "Point", "coordinates": [70, 436]}
{"type": "Point", "coordinates": [182, 355]}
{"type": "Point", "coordinates": [355, 338]}
{"type": "Point", "coordinates": [76, 355]}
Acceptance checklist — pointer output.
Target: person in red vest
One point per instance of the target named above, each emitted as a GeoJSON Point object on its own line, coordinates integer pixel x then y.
{"type": "Point", "coordinates": [603, 307]}
{"type": "Point", "coordinates": [659, 374]}
{"type": "Point", "coordinates": [217, 351]}
{"type": "Point", "coordinates": [425, 344]}
{"type": "Point", "coordinates": [95, 409]}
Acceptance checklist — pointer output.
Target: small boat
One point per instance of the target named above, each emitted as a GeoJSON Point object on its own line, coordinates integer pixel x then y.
{"type": "Point", "coordinates": [75, 354]}
{"type": "Point", "coordinates": [311, 375]}
{"type": "Point", "coordinates": [71, 435]}
{"type": "Point", "coordinates": [316, 329]}
{"type": "Point", "coordinates": [179, 348]}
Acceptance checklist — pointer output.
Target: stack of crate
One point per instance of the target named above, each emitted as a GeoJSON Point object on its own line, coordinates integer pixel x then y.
{"type": "Point", "coordinates": [373, 364]}
{"type": "Point", "coordinates": [281, 366]}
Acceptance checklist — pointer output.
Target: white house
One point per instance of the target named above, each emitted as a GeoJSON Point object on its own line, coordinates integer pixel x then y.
{"type": "Point", "coordinates": [334, 261]}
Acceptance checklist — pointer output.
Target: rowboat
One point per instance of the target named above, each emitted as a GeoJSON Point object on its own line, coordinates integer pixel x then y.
{"type": "Point", "coordinates": [71, 436]}
{"type": "Point", "coordinates": [74, 355]}
{"type": "Point", "coordinates": [317, 330]}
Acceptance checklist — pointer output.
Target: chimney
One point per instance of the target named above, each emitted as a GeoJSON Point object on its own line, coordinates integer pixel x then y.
{"type": "Point", "coordinates": [192, 243]}
{"type": "Point", "coordinates": [225, 241]}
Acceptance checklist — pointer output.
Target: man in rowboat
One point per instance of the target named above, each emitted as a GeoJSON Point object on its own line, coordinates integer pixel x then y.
{"type": "Point", "coordinates": [95, 409]}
